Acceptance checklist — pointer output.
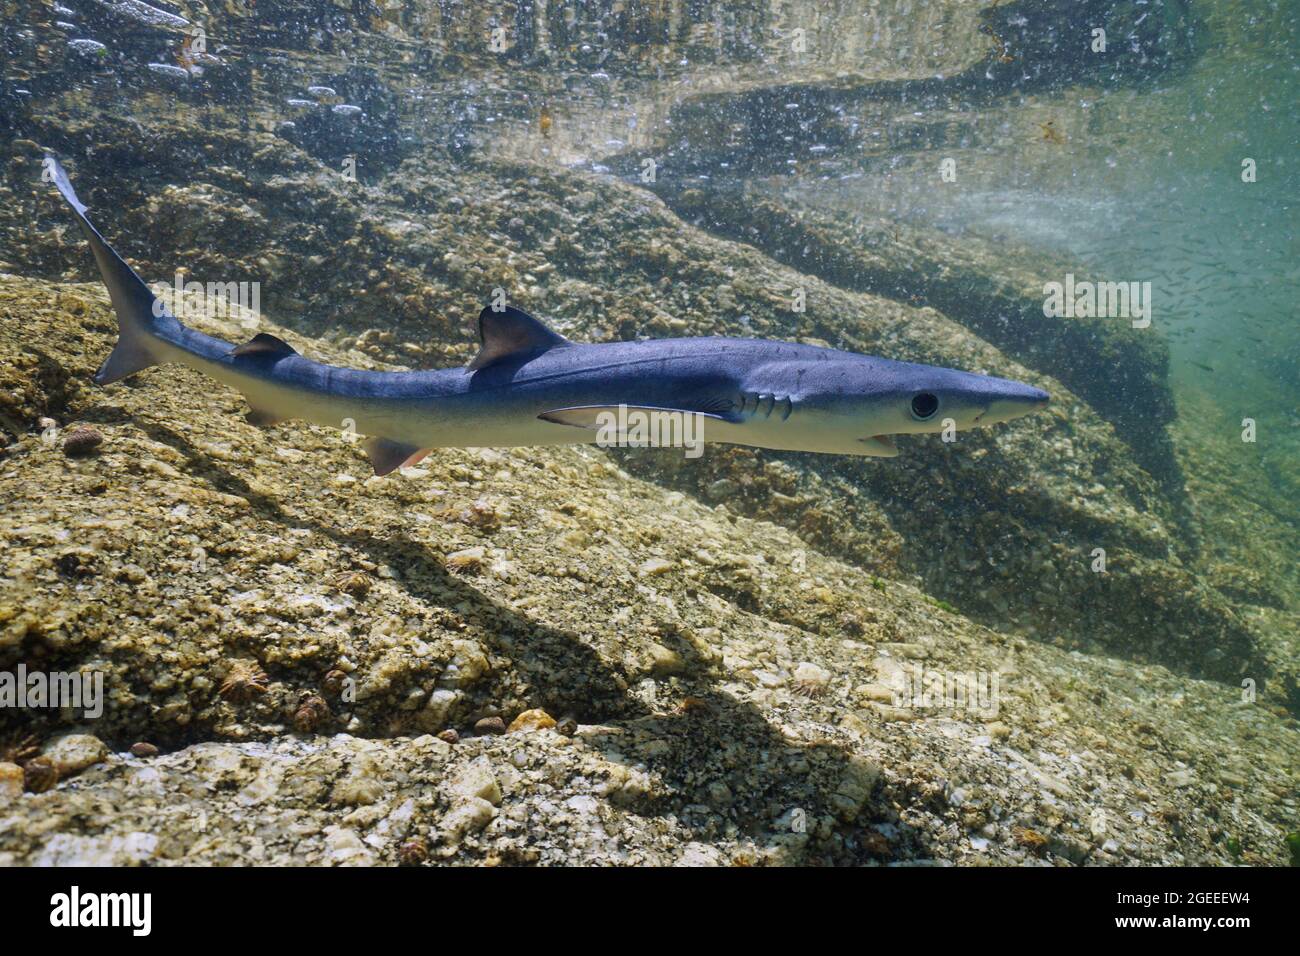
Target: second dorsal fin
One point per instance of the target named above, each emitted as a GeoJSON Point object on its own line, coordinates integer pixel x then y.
{"type": "Point", "coordinates": [263, 343]}
{"type": "Point", "coordinates": [511, 332]}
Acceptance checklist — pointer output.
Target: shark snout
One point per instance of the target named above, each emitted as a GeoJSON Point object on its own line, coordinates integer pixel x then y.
{"type": "Point", "coordinates": [1014, 402]}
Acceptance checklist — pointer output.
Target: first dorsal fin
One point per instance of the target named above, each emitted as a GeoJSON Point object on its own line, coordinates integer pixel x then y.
{"type": "Point", "coordinates": [263, 343]}
{"type": "Point", "coordinates": [511, 332]}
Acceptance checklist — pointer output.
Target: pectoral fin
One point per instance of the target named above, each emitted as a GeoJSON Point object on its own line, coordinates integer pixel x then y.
{"type": "Point", "coordinates": [387, 456]}
{"type": "Point", "coordinates": [597, 416]}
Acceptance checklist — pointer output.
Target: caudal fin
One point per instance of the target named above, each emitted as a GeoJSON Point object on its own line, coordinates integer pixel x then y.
{"type": "Point", "coordinates": [138, 309]}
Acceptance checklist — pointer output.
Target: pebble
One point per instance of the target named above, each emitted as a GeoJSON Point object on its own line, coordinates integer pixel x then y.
{"type": "Point", "coordinates": [73, 753]}
{"type": "Point", "coordinates": [11, 782]}
{"type": "Point", "coordinates": [535, 719]}
{"type": "Point", "coordinates": [888, 712]}
{"type": "Point", "coordinates": [881, 693]}
{"type": "Point", "coordinates": [811, 677]}
{"type": "Point", "coordinates": [91, 48]}
{"type": "Point", "coordinates": [1180, 778]}
{"type": "Point", "coordinates": [467, 560]}
{"type": "Point", "coordinates": [664, 661]}
{"type": "Point", "coordinates": [141, 12]}
{"type": "Point", "coordinates": [143, 749]}
{"type": "Point", "coordinates": [344, 847]}
{"type": "Point", "coordinates": [477, 780]}
{"type": "Point", "coordinates": [169, 71]}
{"type": "Point", "coordinates": [360, 789]}
{"type": "Point", "coordinates": [490, 725]}
{"type": "Point", "coordinates": [468, 816]}
{"type": "Point", "coordinates": [654, 567]}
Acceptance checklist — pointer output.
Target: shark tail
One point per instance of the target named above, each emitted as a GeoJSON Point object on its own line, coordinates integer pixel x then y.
{"type": "Point", "coordinates": [139, 311]}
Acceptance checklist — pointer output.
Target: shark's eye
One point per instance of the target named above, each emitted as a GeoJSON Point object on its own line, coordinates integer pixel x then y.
{"type": "Point", "coordinates": [924, 405]}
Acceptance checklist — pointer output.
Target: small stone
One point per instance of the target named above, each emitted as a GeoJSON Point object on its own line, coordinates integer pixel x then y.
{"type": "Point", "coordinates": [654, 567]}
{"type": "Point", "coordinates": [665, 661]}
{"type": "Point", "coordinates": [490, 725]}
{"type": "Point", "coordinates": [889, 713]}
{"type": "Point", "coordinates": [73, 753]}
{"type": "Point", "coordinates": [1180, 778]}
{"type": "Point", "coordinates": [345, 848]}
{"type": "Point", "coordinates": [720, 794]}
{"type": "Point", "coordinates": [449, 736]}
{"type": "Point", "coordinates": [808, 672]}
{"type": "Point", "coordinates": [468, 816]}
{"type": "Point", "coordinates": [477, 780]}
{"type": "Point", "coordinates": [536, 719]}
{"type": "Point", "coordinates": [81, 441]}
{"type": "Point", "coordinates": [855, 787]}
{"type": "Point", "coordinates": [470, 559]}
{"type": "Point", "coordinates": [11, 782]}
{"type": "Point", "coordinates": [699, 854]}
{"type": "Point", "coordinates": [359, 789]}
{"type": "Point", "coordinates": [721, 490]}
{"type": "Point", "coordinates": [567, 726]}
{"type": "Point", "coordinates": [582, 803]}
{"type": "Point", "coordinates": [911, 651]}
{"type": "Point", "coordinates": [143, 749]}
{"type": "Point", "coordinates": [440, 703]}
{"type": "Point", "coordinates": [881, 693]}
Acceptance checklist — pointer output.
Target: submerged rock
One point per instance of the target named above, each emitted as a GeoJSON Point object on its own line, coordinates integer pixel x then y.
{"type": "Point", "coordinates": [711, 742]}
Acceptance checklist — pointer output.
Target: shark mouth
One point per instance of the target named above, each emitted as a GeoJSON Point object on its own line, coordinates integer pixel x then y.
{"type": "Point", "coordinates": [882, 445]}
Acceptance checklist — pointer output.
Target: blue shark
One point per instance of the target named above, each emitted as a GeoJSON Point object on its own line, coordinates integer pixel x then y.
{"type": "Point", "coordinates": [529, 385]}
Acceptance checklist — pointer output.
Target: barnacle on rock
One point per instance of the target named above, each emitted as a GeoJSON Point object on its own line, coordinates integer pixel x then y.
{"type": "Point", "coordinates": [808, 688]}
{"type": "Point", "coordinates": [334, 682]}
{"type": "Point", "coordinates": [244, 681]}
{"type": "Point", "coordinates": [81, 441]}
{"type": "Point", "coordinates": [19, 749]}
{"type": "Point", "coordinates": [413, 852]}
{"type": "Point", "coordinates": [40, 774]}
{"type": "Point", "coordinates": [1030, 839]}
{"type": "Point", "coordinates": [356, 583]}
{"type": "Point", "coordinates": [311, 713]}
{"type": "Point", "coordinates": [691, 705]}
